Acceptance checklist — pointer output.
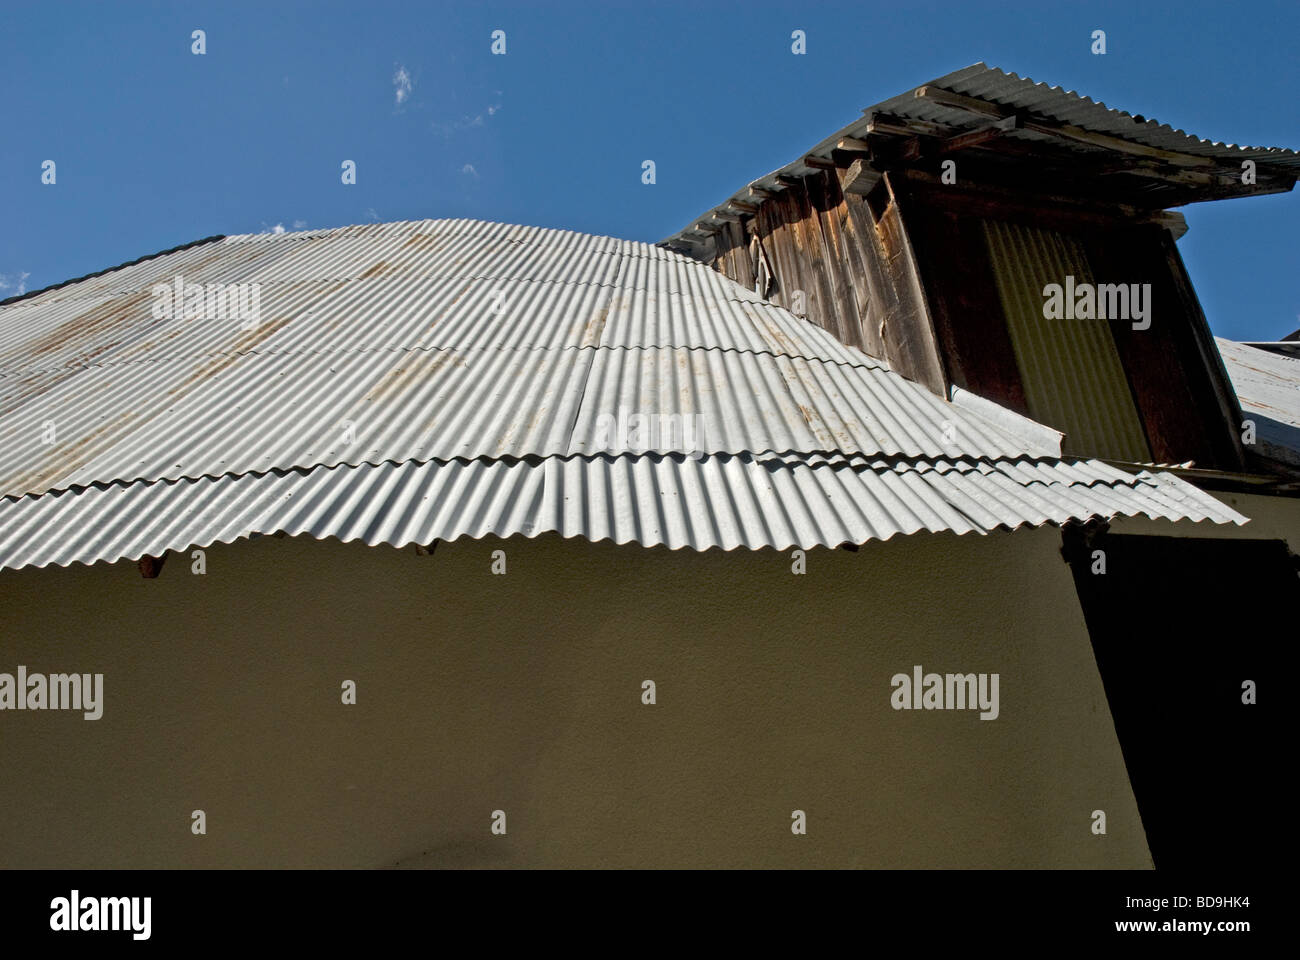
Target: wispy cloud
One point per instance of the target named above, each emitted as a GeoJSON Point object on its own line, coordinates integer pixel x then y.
{"type": "Point", "coordinates": [277, 228]}
{"type": "Point", "coordinates": [469, 170]}
{"type": "Point", "coordinates": [13, 284]}
{"type": "Point", "coordinates": [466, 122]}
{"type": "Point", "coordinates": [300, 224]}
{"type": "Point", "coordinates": [401, 85]}
{"type": "Point", "coordinates": [370, 213]}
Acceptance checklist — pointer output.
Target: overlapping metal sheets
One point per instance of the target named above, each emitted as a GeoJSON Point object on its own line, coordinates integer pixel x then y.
{"type": "Point", "coordinates": [429, 380]}
{"type": "Point", "coordinates": [726, 502]}
{"type": "Point", "coordinates": [362, 356]}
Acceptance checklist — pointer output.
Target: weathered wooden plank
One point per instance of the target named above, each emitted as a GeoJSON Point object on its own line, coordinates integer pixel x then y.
{"type": "Point", "coordinates": [978, 199]}
{"type": "Point", "coordinates": [968, 315]}
{"type": "Point", "coordinates": [910, 343]}
{"type": "Point", "coordinates": [950, 98]}
{"type": "Point", "coordinates": [838, 307]}
{"type": "Point", "coordinates": [858, 177]}
{"type": "Point", "coordinates": [854, 271]}
{"type": "Point", "coordinates": [774, 226]}
{"type": "Point", "coordinates": [863, 241]}
{"type": "Point", "coordinates": [821, 295]}
{"type": "Point", "coordinates": [742, 267]}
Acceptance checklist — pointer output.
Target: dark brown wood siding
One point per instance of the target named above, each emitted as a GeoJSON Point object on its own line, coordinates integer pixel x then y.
{"type": "Point", "coordinates": [904, 274]}
{"type": "Point", "coordinates": [858, 273]}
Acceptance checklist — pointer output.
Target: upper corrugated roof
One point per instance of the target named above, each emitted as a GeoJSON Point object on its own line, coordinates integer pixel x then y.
{"type": "Point", "coordinates": [477, 368]}
{"type": "Point", "coordinates": [434, 340]}
{"type": "Point", "coordinates": [1019, 94]}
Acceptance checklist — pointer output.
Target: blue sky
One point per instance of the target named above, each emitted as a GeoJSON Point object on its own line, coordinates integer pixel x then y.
{"type": "Point", "coordinates": [156, 147]}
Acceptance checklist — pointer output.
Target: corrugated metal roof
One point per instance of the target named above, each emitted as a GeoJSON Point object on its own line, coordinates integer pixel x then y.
{"type": "Point", "coordinates": [1067, 106]}
{"type": "Point", "coordinates": [440, 284]}
{"type": "Point", "coordinates": [356, 331]}
{"type": "Point", "coordinates": [1070, 370]}
{"type": "Point", "coordinates": [469, 421]}
{"type": "Point", "coordinates": [1268, 387]}
{"type": "Point", "coordinates": [726, 502]}
{"type": "Point", "coordinates": [1018, 93]}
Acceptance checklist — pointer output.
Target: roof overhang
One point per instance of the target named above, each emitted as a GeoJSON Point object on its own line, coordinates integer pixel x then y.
{"type": "Point", "coordinates": [1004, 128]}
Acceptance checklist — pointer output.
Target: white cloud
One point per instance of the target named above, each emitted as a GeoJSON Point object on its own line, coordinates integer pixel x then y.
{"type": "Point", "coordinates": [300, 224]}
{"type": "Point", "coordinates": [13, 284]}
{"type": "Point", "coordinates": [469, 169]}
{"type": "Point", "coordinates": [370, 212]}
{"type": "Point", "coordinates": [401, 85]}
{"type": "Point", "coordinates": [464, 123]}
{"type": "Point", "coordinates": [278, 228]}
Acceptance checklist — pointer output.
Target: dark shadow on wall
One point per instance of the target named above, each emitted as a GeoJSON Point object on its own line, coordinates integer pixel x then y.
{"type": "Point", "coordinates": [1177, 626]}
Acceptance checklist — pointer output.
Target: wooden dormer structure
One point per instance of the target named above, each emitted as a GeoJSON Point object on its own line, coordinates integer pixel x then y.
{"type": "Point", "coordinates": [926, 233]}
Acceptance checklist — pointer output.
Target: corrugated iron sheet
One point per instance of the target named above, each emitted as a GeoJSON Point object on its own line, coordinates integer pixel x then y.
{"type": "Point", "coordinates": [1067, 106]}
{"type": "Point", "coordinates": [385, 398]}
{"type": "Point", "coordinates": [1021, 93]}
{"type": "Point", "coordinates": [1268, 387]}
{"type": "Point", "coordinates": [726, 502]}
{"type": "Point", "coordinates": [441, 284]}
{"type": "Point", "coordinates": [363, 357]}
{"type": "Point", "coordinates": [1071, 372]}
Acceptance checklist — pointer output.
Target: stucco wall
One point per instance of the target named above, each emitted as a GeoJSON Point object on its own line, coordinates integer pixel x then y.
{"type": "Point", "coordinates": [1271, 518]}
{"type": "Point", "coordinates": [523, 693]}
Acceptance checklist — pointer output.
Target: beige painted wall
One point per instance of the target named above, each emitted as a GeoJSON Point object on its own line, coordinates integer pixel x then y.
{"type": "Point", "coordinates": [480, 692]}
{"type": "Point", "coordinates": [1271, 518]}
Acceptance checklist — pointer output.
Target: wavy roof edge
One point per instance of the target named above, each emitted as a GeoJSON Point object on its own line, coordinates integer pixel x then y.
{"type": "Point", "coordinates": [811, 458]}
{"type": "Point", "coordinates": [904, 480]}
{"type": "Point", "coordinates": [738, 503]}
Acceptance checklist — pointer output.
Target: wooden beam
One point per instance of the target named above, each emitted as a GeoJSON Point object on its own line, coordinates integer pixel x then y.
{"type": "Point", "coordinates": [1158, 172]}
{"type": "Point", "coordinates": [1078, 134]}
{"type": "Point", "coordinates": [973, 138]}
{"type": "Point", "coordinates": [853, 145]}
{"type": "Point", "coordinates": [425, 551]}
{"type": "Point", "coordinates": [1058, 211]}
{"type": "Point", "coordinates": [959, 101]}
{"type": "Point", "coordinates": [1173, 221]}
{"type": "Point", "coordinates": [858, 178]}
{"type": "Point", "coordinates": [906, 151]}
{"type": "Point", "coordinates": [818, 163]}
{"type": "Point", "coordinates": [1054, 128]}
{"type": "Point", "coordinates": [889, 125]}
{"type": "Point", "coordinates": [150, 567]}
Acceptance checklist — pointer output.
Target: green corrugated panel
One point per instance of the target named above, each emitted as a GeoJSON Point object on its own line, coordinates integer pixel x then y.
{"type": "Point", "coordinates": [1072, 375]}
